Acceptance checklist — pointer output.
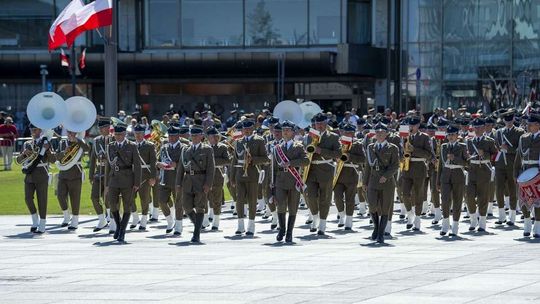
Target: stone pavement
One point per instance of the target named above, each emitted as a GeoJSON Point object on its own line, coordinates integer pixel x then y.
{"type": "Point", "coordinates": [86, 267]}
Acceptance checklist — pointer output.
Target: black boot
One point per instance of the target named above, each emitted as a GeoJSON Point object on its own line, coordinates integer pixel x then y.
{"type": "Point", "coordinates": [290, 227]}
{"type": "Point", "coordinates": [116, 218]}
{"type": "Point", "coordinates": [382, 226]}
{"type": "Point", "coordinates": [375, 219]}
{"type": "Point", "coordinates": [123, 226]}
{"type": "Point", "coordinates": [197, 228]}
{"type": "Point", "coordinates": [281, 232]}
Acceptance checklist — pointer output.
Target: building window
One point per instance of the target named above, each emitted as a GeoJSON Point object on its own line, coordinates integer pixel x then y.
{"type": "Point", "coordinates": [359, 22]}
{"type": "Point", "coordinates": [25, 23]}
{"type": "Point", "coordinates": [324, 21]}
{"type": "Point", "coordinates": [276, 22]}
{"type": "Point", "coordinates": [207, 23]}
{"type": "Point", "coordinates": [162, 24]}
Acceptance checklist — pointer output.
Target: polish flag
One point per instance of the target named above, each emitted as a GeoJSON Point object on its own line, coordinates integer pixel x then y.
{"type": "Point", "coordinates": [82, 60]}
{"type": "Point", "coordinates": [345, 140]}
{"type": "Point", "coordinates": [56, 34]}
{"type": "Point", "coordinates": [91, 16]}
{"type": "Point", "coordinates": [314, 133]}
{"type": "Point", "coordinates": [64, 59]}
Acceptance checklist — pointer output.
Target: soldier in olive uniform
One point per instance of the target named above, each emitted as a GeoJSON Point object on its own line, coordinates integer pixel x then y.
{"type": "Point", "coordinates": [222, 158]}
{"type": "Point", "coordinates": [482, 149]}
{"type": "Point", "coordinates": [97, 175]}
{"type": "Point", "coordinates": [414, 178]}
{"type": "Point", "coordinates": [270, 179]}
{"type": "Point", "coordinates": [321, 174]}
{"type": "Point", "coordinates": [70, 179]}
{"type": "Point", "coordinates": [489, 131]}
{"type": "Point", "coordinates": [167, 164]}
{"type": "Point", "coordinates": [250, 153]}
{"type": "Point", "coordinates": [124, 167]}
{"type": "Point", "coordinates": [382, 165]}
{"type": "Point", "coordinates": [360, 198]}
{"type": "Point", "coordinates": [347, 181]}
{"type": "Point", "coordinates": [36, 180]}
{"type": "Point", "coordinates": [195, 177]}
{"type": "Point", "coordinates": [288, 157]}
{"type": "Point", "coordinates": [507, 140]}
{"type": "Point", "coordinates": [147, 152]}
{"type": "Point", "coordinates": [451, 179]}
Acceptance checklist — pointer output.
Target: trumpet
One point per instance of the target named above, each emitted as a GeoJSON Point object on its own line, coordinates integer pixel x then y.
{"type": "Point", "coordinates": [158, 132]}
{"type": "Point", "coordinates": [404, 164]}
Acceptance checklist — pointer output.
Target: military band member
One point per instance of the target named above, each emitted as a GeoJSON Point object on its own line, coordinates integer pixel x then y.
{"type": "Point", "coordinates": [381, 167]}
{"type": "Point", "coordinates": [147, 153]}
{"type": "Point", "coordinates": [250, 153]}
{"type": "Point", "coordinates": [124, 168]}
{"type": "Point", "coordinates": [507, 140]}
{"type": "Point", "coordinates": [195, 177]}
{"type": "Point", "coordinates": [167, 164]}
{"type": "Point", "coordinates": [482, 149]}
{"type": "Point", "coordinates": [451, 179]}
{"type": "Point", "coordinates": [97, 175]}
{"type": "Point", "coordinates": [222, 158]}
{"type": "Point", "coordinates": [414, 178]}
{"type": "Point", "coordinates": [36, 180]}
{"type": "Point", "coordinates": [321, 173]}
{"type": "Point", "coordinates": [70, 178]}
{"type": "Point", "coordinates": [347, 182]}
{"type": "Point", "coordinates": [269, 185]}
{"type": "Point", "coordinates": [489, 131]}
{"type": "Point", "coordinates": [288, 157]}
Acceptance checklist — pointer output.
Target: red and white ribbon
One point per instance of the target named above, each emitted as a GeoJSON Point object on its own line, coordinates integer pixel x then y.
{"type": "Point", "coordinates": [300, 186]}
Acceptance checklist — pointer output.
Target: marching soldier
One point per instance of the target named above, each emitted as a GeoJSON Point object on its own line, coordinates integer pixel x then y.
{"type": "Point", "coordinates": [419, 147]}
{"type": "Point", "coordinates": [321, 173]}
{"type": "Point", "coordinates": [36, 180]}
{"type": "Point", "coordinates": [269, 185]}
{"type": "Point", "coordinates": [71, 176]}
{"type": "Point", "coordinates": [250, 153]}
{"type": "Point", "coordinates": [97, 176]}
{"type": "Point", "coordinates": [221, 159]}
{"type": "Point", "coordinates": [382, 164]}
{"type": "Point", "coordinates": [167, 163]}
{"type": "Point", "coordinates": [195, 177]}
{"type": "Point", "coordinates": [482, 149]}
{"type": "Point", "coordinates": [451, 179]}
{"type": "Point", "coordinates": [124, 168]}
{"type": "Point", "coordinates": [489, 131]}
{"type": "Point", "coordinates": [288, 157]}
{"type": "Point", "coordinates": [347, 181]}
{"type": "Point", "coordinates": [507, 140]}
{"type": "Point", "coordinates": [147, 153]}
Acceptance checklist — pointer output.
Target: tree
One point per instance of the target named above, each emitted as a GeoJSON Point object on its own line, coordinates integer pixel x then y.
{"type": "Point", "coordinates": [261, 26]}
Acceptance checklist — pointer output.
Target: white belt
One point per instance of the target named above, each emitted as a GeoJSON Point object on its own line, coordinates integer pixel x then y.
{"type": "Point", "coordinates": [238, 166]}
{"type": "Point", "coordinates": [529, 162]}
{"type": "Point", "coordinates": [218, 167]}
{"type": "Point", "coordinates": [321, 162]}
{"type": "Point", "coordinates": [417, 159]}
{"type": "Point", "coordinates": [145, 166]}
{"type": "Point", "coordinates": [453, 166]}
{"type": "Point", "coordinates": [480, 162]}
{"type": "Point", "coordinates": [350, 165]}
{"type": "Point", "coordinates": [42, 165]}
{"type": "Point", "coordinates": [241, 161]}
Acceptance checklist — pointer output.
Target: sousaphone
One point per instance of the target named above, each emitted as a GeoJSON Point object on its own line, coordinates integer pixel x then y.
{"type": "Point", "coordinates": [309, 109]}
{"type": "Point", "coordinates": [288, 110]}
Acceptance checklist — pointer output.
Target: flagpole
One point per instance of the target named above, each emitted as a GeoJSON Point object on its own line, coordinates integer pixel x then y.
{"type": "Point", "coordinates": [111, 66]}
{"type": "Point", "coordinates": [73, 70]}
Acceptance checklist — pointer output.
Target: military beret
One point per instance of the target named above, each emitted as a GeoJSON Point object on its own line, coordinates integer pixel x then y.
{"type": "Point", "coordinates": [360, 121]}
{"type": "Point", "coordinates": [385, 120]}
{"type": "Point", "coordinates": [139, 128]}
{"type": "Point", "coordinates": [508, 115]}
{"type": "Point", "coordinates": [239, 125]}
{"type": "Point", "coordinates": [287, 124]}
{"type": "Point", "coordinates": [195, 130]}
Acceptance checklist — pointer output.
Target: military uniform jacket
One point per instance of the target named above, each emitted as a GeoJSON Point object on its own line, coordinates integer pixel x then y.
{"type": "Point", "coordinates": [452, 171]}
{"type": "Point", "coordinates": [421, 143]}
{"type": "Point", "coordinates": [383, 162]}
{"type": "Point", "coordinates": [147, 151]}
{"type": "Point", "coordinates": [330, 150]}
{"type": "Point", "coordinates": [98, 156]}
{"type": "Point", "coordinates": [510, 137]}
{"type": "Point", "coordinates": [481, 172]}
{"type": "Point", "coordinates": [170, 153]}
{"type": "Point", "coordinates": [123, 165]}
{"type": "Point", "coordinates": [297, 156]}
{"type": "Point", "coordinates": [394, 138]}
{"type": "Point", "coordinates": [76, 171]}
{"type": "Point", "coordinates": [528, 153]}
{"type": "Point", "coordinates": [196, 168]}
{"type": "Point", "coordinates": [257, 149]}
{"type": "Point", "coordinates": [356, 157]}
{"type": "Point", "coordinates": [40, 173]}
{"type": "Point", "coordinates": [222, 158]}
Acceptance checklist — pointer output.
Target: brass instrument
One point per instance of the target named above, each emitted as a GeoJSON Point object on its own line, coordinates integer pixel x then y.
{"type": "Point", "coordinates": [26, 160]}
{"type": "Point", "coordinates": [341, 162]}
{"type": "Point", "coordinates": [437, 154]}
{"type": "Point", "coordinates": [158, 132]}
{"type": "Point", "coordinates": [247, 158]}
{"type": "Point", "coordinates": [71, 156]}
{"type": "Point", "coordinates": [405, 162]}
{"type": "Point", "coordinates": [310, 150]}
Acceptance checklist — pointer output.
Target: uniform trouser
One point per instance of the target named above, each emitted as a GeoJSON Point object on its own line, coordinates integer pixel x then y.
{"type": "Point", "coordinates": [477, 196]}
{"type": "Point", "coordinates": [380, 201]}
{"type": "Point", "coordinates": [435, 194]}
{"type": "Point", "coordinates": [164, 194]}
{"type": "Point", "coordinates": [424, 193]}
{"type": "Point", "coordinates": [232, 190]}
{"type": "Point", "coordinates": [287, 200]}
{"type": "Point", "coordinates": [155, 197]}
{"type": "Point", "coordinates": [114, 194]}
{"type": "Point", "coordinates": [452, 198]}
{"type": "Point", "coordinates": [246, 193]}
{"type": "Point", "coordinates": [413, 189]}
{"type": "Point", "coordinates": [527, 213]}
{"type": "Point", "coordinates": [215, 196]}
{"type": "Point", "coordinates": [71, 187]}
{"type": "Point", "coordinates": [144, 197]}
{"type": "Point", "coordinates": [194, 201]}
{"type": "Point", "coordinates": [361, 194]}
{"type": "Point", "coordinates": [319, 195]}
{"type": "Point", "coordinates": [40, 189]}
{"type": "Point", "coordinates": [344, 197]}
{"type": "Point", "coordinates": [97, 192]}
{"type": "Point", "coordinates": [506, 182]}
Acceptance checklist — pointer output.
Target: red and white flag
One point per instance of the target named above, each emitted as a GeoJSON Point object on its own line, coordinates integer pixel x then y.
{"type": "Point", "coordinates": [91, 16]}
{"type": "Point", "coordinates": [82, 60]}
{"type": "Point", "coordinates": [64, 59]}
{"type": "Point", "coordinates": [57, 36]}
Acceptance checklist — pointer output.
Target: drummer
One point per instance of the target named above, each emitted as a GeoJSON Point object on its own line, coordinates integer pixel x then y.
{"type": "Point", "coordinates": [528, 156]}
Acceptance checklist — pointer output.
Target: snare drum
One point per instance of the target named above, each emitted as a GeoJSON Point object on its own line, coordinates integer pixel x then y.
{"type": "Point", "coordinates": [529, 188]}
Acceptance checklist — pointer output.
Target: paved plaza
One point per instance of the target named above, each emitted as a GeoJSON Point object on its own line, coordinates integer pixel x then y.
{"type": "Point", "coordinates": [85, 267]}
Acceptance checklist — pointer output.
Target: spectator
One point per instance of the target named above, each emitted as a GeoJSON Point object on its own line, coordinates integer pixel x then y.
{"type": "Point", "coordinates": [8, 133]}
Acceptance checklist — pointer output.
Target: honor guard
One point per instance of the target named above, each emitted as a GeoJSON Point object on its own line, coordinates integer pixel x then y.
{"type": "Point", "coordinates": [147, 152]}
{"type": "Point", "coordinates": [68, 160]}
{"type": "Point", "coordinates": [270, 180]}
{"type": "Point", "coordinates": [222, 158]}
{"type": "Point", "coordinates": [382, 165]}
